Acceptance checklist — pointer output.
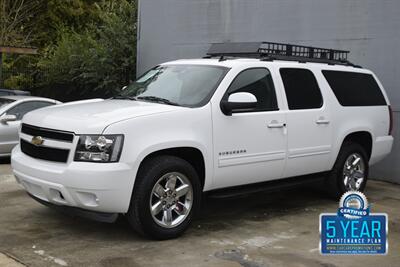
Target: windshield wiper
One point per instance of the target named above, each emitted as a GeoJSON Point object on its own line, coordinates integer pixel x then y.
{"type": "Point", "coordinates": [124, 97]}
{"type": "Point", "coordinates": [158, 100]}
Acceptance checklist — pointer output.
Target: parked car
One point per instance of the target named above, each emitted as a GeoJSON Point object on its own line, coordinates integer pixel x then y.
{"type": "Point", "coordinates": [13, 92]}
{"type": "Point", "coordinates": [12, 110]}
{"type": "Point", "coordinates": [219, 125]}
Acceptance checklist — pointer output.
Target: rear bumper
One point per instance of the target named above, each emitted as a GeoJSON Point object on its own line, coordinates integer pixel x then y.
{"type": "Point", "coordinates": [99, 187]}
{"type": "Point", "coordinates": [381, 148]}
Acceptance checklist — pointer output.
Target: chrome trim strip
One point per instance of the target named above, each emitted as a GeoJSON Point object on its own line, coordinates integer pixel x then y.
{"type": "Point", "coordinates": [48, 142]}
{"type": "Point", "coordinates": [251, 158]}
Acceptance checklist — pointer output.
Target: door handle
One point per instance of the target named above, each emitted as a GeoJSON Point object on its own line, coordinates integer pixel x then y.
{"type": "Point", "coordinates": [275, 124]}
{"type": "Point", "coordinates": [322, 121]}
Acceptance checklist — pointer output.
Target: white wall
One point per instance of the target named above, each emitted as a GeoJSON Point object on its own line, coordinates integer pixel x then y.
{"type": "Point", "coordinates": [370, 29]}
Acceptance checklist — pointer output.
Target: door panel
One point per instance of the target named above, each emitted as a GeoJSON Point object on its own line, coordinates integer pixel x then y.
{"type": "Point", "coordinates": [249, 147]}
{"type": "Point", "coordinates": [308, 123]}
{"type": "Point", "coordinates": [309, 143]}
{"type": "Point", "coordinates": [8, 136]}
{"type": "Point", "coordinates": [246, 150]}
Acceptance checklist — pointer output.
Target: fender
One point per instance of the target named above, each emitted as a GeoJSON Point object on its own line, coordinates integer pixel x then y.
{"type": "Point", "coordinates": [208, 179]}
{"type": "Point", "coordinates": [342, 137]}
{"type": "Point", "coordinates": [186, 128]}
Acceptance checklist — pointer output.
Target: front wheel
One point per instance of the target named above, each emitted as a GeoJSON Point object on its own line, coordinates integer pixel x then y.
{"type": "Point", "coordinates": [350, 171]}
{"type": "Point", "coordinates": [166, 196]}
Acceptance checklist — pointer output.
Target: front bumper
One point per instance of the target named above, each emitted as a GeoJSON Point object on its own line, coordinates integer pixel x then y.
{"type": "Point", "coordinates": [73, 211]}
{"type": "Point", "coordinates": [100, 187]}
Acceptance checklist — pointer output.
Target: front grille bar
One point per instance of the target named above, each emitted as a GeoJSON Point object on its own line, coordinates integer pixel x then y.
{"type": "Point", "coordinates": [43, 152]}
{"type": "Point", "coordinates": [47, 133]}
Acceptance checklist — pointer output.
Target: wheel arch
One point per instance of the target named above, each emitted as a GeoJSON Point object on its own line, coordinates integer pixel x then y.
{"type": "Point", "coordinates": [362, 137]}
{"type": "Point", "coordinates": [194, 155]}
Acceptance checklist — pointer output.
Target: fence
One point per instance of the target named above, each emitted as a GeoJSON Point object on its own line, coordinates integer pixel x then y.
{"type": "Point", "coordinates": [39, 83]}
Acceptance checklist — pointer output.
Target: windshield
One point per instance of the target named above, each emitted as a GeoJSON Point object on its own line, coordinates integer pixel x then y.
{"type": "Point", "coordinates": [183, 85]}
{"type": "Point", "coordinates": [5, 102]}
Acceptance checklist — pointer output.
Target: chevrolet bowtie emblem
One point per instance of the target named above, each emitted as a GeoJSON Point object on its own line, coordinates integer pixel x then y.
{"type": "Point", "coordinates": [37, 140]}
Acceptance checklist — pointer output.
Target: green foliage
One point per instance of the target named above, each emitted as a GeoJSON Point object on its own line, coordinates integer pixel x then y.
{"type": "Point", "coordinates": [57, 15]}
{"type": "Point", "coordinates": [17, 21]}
{"type": "Point", "coordinates": [101, 58]}
{"type": "Point", "coordinates": [87, 48]}
{"type": "Point", "coordinates": [19, 81]}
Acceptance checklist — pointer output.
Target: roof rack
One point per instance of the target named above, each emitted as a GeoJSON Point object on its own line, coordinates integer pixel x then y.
{"type": "Point", "coordinates": [270, 51]}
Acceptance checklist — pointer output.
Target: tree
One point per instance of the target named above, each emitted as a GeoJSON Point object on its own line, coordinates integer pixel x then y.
{"type": "Point", "coordinates": [16, 21]}
{"type": "Point", "coordinates": [87, 48]}
{"type": "Point", "coordinates": [99, 60]}
{"type": "Point", "coordinates": [57, 15]}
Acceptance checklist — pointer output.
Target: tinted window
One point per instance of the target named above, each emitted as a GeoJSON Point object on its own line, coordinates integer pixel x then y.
{"type": "Point", "coordinates": [5, 102]}
{"type": "Point", "coordinates": [258, 82]}
{"type": "Point", "coordinates": [355, 89]}
{"type": "Point", "coordinates": [23, 108]}
{"type": "Point", "coordinates": [301, 87]}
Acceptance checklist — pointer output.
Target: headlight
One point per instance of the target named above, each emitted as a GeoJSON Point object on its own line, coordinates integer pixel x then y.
{"type": "Point", "coordinates": [99, 148]}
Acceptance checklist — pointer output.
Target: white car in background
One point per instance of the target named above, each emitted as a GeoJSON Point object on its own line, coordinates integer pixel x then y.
{"type": "Point", "coordinates": [12, 110]}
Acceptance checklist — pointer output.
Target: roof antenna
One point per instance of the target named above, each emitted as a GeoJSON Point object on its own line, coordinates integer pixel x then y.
{"type": "Point", "coordinates": [222, 58]}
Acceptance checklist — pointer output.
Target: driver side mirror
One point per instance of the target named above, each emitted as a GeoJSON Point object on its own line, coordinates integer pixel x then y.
{"type": "Point", "coordinates": [239, 102]}
{"type": "Point", "coordinates": [7, 118]}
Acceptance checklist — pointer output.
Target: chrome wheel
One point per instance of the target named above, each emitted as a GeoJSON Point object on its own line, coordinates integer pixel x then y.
{"type": "Point", "coordinates": [353, 172]}
{"type": "Point", "coordinates": [171, 199]}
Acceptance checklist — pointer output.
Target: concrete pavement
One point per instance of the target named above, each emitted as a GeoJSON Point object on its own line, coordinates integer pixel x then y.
{"type": "Point", "coordinates": [279, 229]}
{"type": "Point", "coordinates": [8, 261]}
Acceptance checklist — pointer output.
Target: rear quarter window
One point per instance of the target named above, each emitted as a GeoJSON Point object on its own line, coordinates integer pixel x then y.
{"type": "Point", "coordinates": [355, 89]}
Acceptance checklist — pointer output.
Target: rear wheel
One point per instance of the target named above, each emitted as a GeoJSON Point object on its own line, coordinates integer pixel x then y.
{"type": "Point", "coordinates": [166, 197]}
{"type": "Point", "coordinates": [350, 171]}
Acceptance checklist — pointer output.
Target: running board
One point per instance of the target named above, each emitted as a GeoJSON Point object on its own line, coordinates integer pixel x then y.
{"type": "Point", "coordinates": [270, 186]}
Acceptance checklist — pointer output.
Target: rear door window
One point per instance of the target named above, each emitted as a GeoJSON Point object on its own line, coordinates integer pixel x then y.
{"type": "Point", "coordinates": [354, 89]}
{"type": "Point", "coordinates": [301, 87]}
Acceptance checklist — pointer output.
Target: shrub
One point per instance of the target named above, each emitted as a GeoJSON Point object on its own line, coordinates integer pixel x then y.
{"type": "Point", "coordinates": [97, 61]}
{"type": "Point", "coordinates": [19, 81]}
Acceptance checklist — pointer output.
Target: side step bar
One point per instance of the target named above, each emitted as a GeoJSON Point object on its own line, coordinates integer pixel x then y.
{"type": "Point", "coordinates": [270, 186]}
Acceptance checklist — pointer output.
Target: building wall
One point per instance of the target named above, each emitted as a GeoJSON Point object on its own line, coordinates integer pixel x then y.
{"type": "Point", "coordinates": [370, 29]}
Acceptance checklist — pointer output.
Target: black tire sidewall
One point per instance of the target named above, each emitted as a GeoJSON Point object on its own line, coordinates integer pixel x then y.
{"type": "Point", "coordinates": [148, 175]}
{"type": "Point", "coordinates": [346, 150]}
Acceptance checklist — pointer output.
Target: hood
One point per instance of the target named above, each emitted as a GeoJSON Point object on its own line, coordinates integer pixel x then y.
{"type": "Point", "coordinates": [92, 116]}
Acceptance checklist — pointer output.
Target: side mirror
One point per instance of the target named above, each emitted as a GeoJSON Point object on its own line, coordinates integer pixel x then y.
{"type": "Point", "coordinates": [8, 118]}
{"type": "Point", "coordinates": [238, 102]}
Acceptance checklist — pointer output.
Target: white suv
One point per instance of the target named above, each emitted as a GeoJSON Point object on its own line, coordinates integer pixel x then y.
{"type": "Point", "coordinates": [192, 126]}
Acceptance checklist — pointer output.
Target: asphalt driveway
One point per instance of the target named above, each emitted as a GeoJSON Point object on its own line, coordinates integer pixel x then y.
{"type": "Point", "coordinates": [279, 229]}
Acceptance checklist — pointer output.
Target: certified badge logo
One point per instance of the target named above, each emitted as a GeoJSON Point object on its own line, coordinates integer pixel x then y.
{"type": "Point", "coordinates": [353, 229]}
{"type": "Point", "coordinates": [353, 205]}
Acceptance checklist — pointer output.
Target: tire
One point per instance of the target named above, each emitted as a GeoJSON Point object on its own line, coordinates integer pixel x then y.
{"type": "Point", "coordinates": [336, 180]}
{"type": "Point", "coordinates": [160, 171]}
